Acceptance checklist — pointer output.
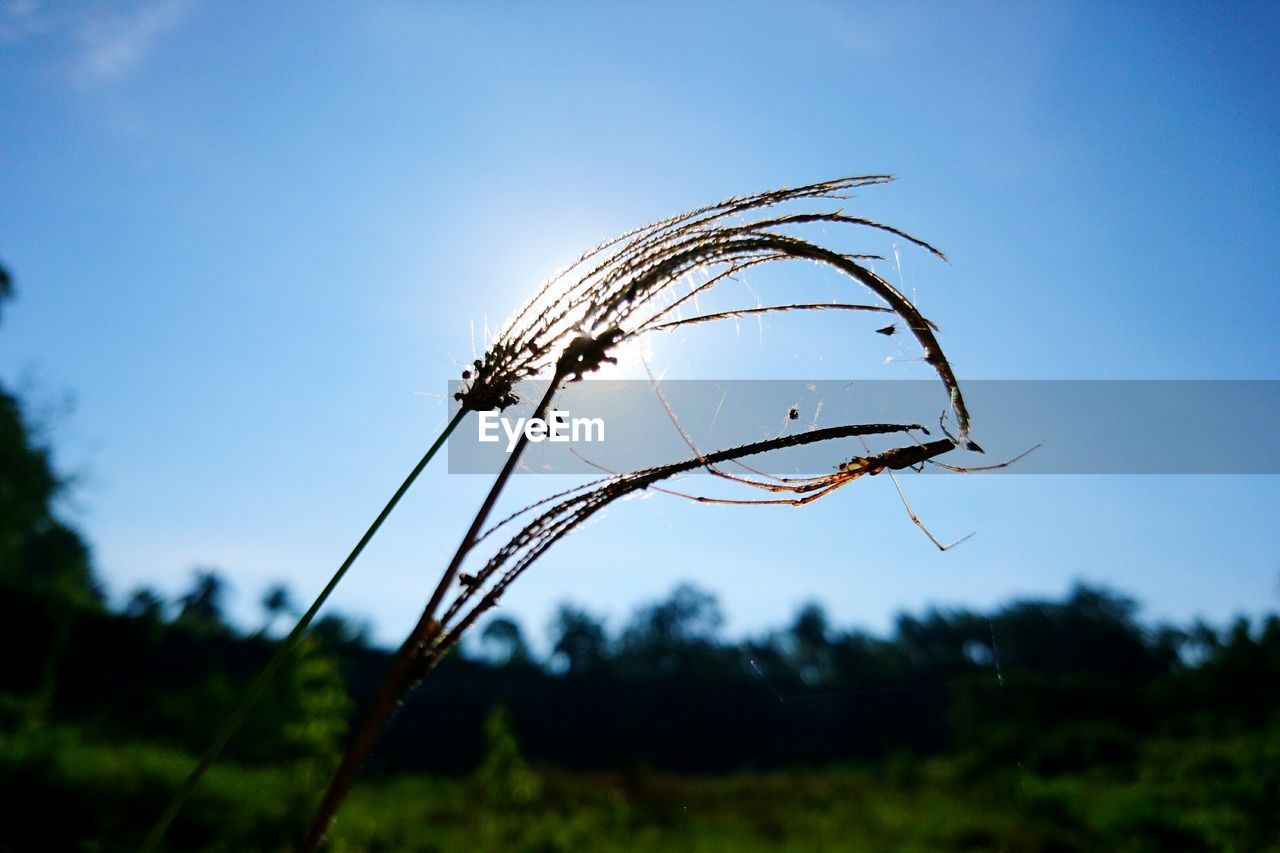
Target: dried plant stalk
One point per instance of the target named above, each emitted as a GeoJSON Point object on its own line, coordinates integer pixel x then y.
{"type": "Point", "coordinates": [578, 505]}
{"type": "Point", "coordinates": [617, 297]}
{"type": "Point", "coordinates": [570, 328]}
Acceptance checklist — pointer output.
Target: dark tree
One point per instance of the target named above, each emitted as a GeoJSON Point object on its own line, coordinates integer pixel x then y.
{"type": "Point", "coordinates": [277, 601]}
{"type": "Point", "coordinates": [38, 552]}
{"type": "Point", "coordinates": [579, 638]}
{"type": "Point", "coordinates": [145, 603]}
{"type": "Point", "coordinates": [336, 632]}
{"type": "Point", "coordinates": [809, 644]}
{"type": "Point", "coordinates": [690, 615]}
{"type": "Point", "coordinates": [678, 634]}
{"type": "Point", "coordinates": [46, 580]}
{"type": "Point", "coordinates": [503, 639]}
{"type": "Point", "coordinates": [6, 286]}
{"type": "Point", "coordinates": [203, 603]}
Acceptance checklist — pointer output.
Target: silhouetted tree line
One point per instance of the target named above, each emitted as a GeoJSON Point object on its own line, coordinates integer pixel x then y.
{"type": "Point", "coordinates": [1053, 684]}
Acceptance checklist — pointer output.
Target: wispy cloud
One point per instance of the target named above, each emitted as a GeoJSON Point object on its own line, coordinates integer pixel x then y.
{"type": "Point", "coordinates": [105, 41]}
{"type": "Point", "coordinates": [21, 19]}
{"type": "Point", "coordinates": [112, 46]}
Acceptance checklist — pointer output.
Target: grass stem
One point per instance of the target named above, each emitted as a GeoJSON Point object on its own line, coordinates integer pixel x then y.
{"type": "Point", "coordinates": [286, 647]}
{"type": "Point", "coordinates": [405, 669]}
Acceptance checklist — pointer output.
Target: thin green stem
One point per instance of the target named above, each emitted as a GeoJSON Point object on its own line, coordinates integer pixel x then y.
{"type": "Point", "coordinates": [403, 674]}
{"type": "Point", "coordinates": [286, 647]}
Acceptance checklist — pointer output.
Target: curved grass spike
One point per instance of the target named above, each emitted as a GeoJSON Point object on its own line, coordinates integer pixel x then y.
{"type": "Point", "coordinates": [579, 504]}
{"type": "Point", "coordinates": [285, 648]}
{"type": "Point", "coordinates": [646, 235]}
{"type": "Point", "coordinates": [632, 272]}
{"type": "Point", "coordinates": [571, 329]}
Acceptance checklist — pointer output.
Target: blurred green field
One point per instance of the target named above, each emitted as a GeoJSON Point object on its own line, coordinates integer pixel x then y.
{"type": "Point", "coordinates": [61, 789]}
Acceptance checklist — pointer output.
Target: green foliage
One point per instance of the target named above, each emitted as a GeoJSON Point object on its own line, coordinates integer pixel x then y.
{"type": "Point", "coordinates": [178, 682]}
{"type": "Point", "coordinates": [504, 779]}
{"type": "Point", "coordinates": [1202, 794]}
{"type": "Point", "coordinates": [311, 704]}
{"type": "Point", "coordinates": [64, 791]}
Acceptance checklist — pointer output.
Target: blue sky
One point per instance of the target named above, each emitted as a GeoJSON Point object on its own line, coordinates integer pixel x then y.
{"type": "Point", "coordinates": [252, 243]}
